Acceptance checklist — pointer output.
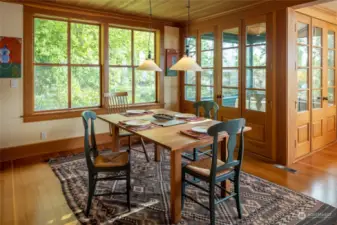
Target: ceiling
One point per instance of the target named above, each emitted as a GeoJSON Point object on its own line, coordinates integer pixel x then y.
{"type": "Point", "coordinates": [172, 10]}
{"type": "Point", "coordinates": [330, 5]}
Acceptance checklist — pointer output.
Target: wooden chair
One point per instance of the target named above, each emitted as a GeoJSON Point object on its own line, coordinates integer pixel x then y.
{"type": "Point", "coordinates": [118, 103]}
{"type": "Point", "coordinates": [208, 107]}
{"type": "Point", "coordinates": [114, 162]}
{"type": "Point", "coordinates": [214, 171]}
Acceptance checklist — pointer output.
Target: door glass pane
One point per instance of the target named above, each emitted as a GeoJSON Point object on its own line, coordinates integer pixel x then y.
{"type": "Point", "coordinates": [207, 41]}
{"type": "Point", "coordinates": [230, 97]}
{"type": "Point", "coordinates": [317, 36]}
{"type": "Point", "coordinates": [145, 86]}
{"type": "Point", "coordinates": [256, 55]}
{"type": "Point", "coordinates": [316, 78]}
{"type": "Point", "coordinates": [206, 93]}
{"type": "Point", "coordinates": [331, 58]}
{"type": "Point", "coordinates": [302, 33]}
{"type": "Point", "coordinates": [50, 41]}
{"type": "Point", "coordinates": [190, 93]}
{"type": "Point", "coordinates": [84, 43]}
{"type": "Point", "coordinates": [207, 59]}
{"type": "Point", "coordinates": [119, 46]}
{"type": "Point", "coordinates": [256, 34]}
{"type": "Point", "coordinates": [302, 101]}
{"type": "Point", "coordinates": [302, 78]}
{"type": "Point", "coordinates": [230, 57]}
{"type": "Point", "coordinates": [256, 100]}
{"type": "Point", "coordinates": [256, 78]}
{"type": "Point", "coordinates": [331, 39]}
{"type": "Point", "coordinates": [302, 56]}
{"type": "Point", "coordinates": [190, 77]}
{"type": "Point", "coordinates": [50, 87]}
{"type": "Point", "coordinates": [120, 80]}
{"type": "Point", "coordinates": [317, 57]}
{"type": "Point", "coordinates": [230, 77]}
{"type": "Point", "coordinates": [316, 99]}
{"type": "Point", "coordinates": [331, 96]}
{"type": "Point", "coordinates": [230, 38]}
{"type": "Point", "coordinates": [207, 77]}
{"type": "Point", "coordinates": [331, 77]}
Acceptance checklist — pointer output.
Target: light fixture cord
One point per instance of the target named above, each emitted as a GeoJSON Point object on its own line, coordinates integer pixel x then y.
{"type": "Point", "coordinates": [150, 28]}
{"type": "Point", "coordinates": [188, 28]}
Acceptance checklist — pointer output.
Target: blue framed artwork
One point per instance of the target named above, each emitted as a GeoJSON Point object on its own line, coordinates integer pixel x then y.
{"type": "Point", "coordinates": [172, 57]}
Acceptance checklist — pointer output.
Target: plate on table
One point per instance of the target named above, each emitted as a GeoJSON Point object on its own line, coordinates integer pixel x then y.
{"type": "Point", "coordinates": [137, 123]}
{"type": "Point", "coordinates": [200, 129]}
{"type": "Point", "coordinates": [185, 116]}
{"type": "Point", "coordinates": [135, 111]}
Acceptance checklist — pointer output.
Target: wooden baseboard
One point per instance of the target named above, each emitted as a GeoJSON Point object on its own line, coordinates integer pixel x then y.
{"type": "Point", "coordinates": [52, 147]}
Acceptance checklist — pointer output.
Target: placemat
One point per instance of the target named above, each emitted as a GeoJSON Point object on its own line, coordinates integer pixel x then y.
{"type": "Point", "coordinates": [140, 128]}
{"type": "Point", "coordinates": [195, 135]}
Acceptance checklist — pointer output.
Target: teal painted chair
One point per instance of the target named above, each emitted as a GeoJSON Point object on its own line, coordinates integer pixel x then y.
{"type": "Point", "coordinates": [210, 109]}
{"type": "Point", "coordinates": [97, 164]}
{"type": "Point", "coordinates": [214, 171]}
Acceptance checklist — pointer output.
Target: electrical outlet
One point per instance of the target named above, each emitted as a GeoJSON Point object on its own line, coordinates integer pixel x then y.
{"type": "Point", "coordinates": [43, 135]}
{"type": "Point", "coordinates": [14, 83]}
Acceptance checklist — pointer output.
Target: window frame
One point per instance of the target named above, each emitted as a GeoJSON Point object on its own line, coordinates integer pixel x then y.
{"type": "Point", "coordinates": [104, 21]}
{"type": "Point", "coordinates": [133, 66]}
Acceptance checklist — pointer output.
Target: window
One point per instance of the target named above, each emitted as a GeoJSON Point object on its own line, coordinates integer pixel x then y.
{"type": "Point", "coordinates": [230, 67]}
{"type": "Point", "coordinates": [127, 50]}
{"type": "Point", "coordinates": [190, 76]}
{"type": "Point", "coordinates": [66, 65]}
{"type": "Point", "coordinates": [256, 67]}
{"type": "Point", "coordinates": [317, 67]}
{"type": "Point", "coordinates": [207, 63]}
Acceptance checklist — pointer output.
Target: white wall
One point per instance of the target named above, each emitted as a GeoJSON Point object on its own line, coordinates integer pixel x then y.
{"type": "Point", "coordinates": [171, 89]}
{"type": "Point", "coordinates": [13, 132]}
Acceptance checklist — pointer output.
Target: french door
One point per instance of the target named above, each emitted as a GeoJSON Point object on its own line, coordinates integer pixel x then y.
{"type": "Point", "coordinates": [316, 60]}
{"type": "Point", "coordinates": [234, 58]}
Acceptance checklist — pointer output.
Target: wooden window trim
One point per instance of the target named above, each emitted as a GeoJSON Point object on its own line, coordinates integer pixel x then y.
{"type": "Point", "coordinates": [63, 14]}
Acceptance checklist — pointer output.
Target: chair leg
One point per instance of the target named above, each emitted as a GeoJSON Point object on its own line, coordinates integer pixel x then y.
{"type": "Point", "coordinates": [237, 197]}
{"type": "Point", "coordinates": [128, 188]}
{"type": "Point", "coordinates": [183, 187]}
{"type": "Point", "coordinates": [91, 187]}
{"type": "Point", "coordinates": [195, 155]}
{"type": "Point", "coordinates": [130, 144]}
{"type": "Point", "coordinates": [212, 203]}
{"type": "Point", "coordinates": [145, 152]}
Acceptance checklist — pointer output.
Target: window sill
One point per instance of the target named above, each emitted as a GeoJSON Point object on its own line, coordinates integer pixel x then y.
{"type": "Point", "coordinates": [73, 113]}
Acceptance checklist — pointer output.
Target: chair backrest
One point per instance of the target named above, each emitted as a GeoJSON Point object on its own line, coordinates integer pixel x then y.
{"type": "Point", "coordinates": [232, 127]}
{"type": "Point", "coordinates": [208, 106]}
{"type": "Point", "coordinates": [89, 117]}
{"type": "Point", "coordinates": [116, 102]}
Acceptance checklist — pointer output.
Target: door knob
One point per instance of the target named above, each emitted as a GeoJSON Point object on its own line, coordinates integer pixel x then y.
{"type": "Point", "coordinates": [325, 98]}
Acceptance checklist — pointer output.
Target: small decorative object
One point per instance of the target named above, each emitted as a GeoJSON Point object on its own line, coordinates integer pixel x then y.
{"type": "Point", "coordinates": [10, 57]}
{"type": "Point", "coordinates": [172, 57]}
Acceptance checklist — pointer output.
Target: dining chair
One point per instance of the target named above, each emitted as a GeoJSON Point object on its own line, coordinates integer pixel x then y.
{"type": "Point", "coordinates": [118, 103]}
{"type": "Point", "coordinates": [115, 162]}
{"type": "Point", "coordinates": [214, 171]}
{"type": "Point", "coordinates": [210, 109]}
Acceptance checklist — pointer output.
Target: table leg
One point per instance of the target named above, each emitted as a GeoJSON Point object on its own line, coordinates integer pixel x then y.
{"type": "Point", "coordinates": [157, 149]}
{"type": "Point", "coordinates": [223, 150]}
{"type": "Point", "coordinates": [175, 186]}
{"type": "Point", "coordinates": [115, 138]}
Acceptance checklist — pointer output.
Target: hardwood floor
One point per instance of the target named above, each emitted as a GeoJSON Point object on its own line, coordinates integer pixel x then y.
{"type": "Point", "coordinates": [32, 195]}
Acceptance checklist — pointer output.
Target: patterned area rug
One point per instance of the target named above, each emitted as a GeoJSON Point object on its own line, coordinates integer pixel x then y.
{"type": "Point", "coordinates": [263, 202]}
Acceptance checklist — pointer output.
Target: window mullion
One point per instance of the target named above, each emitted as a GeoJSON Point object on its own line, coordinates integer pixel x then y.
{"type": "Point", "coordinates": [69, 63]}
{"type": "Point", "coordinates": [133, 67]}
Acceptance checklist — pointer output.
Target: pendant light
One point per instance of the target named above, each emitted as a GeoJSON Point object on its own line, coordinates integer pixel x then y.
{"type": "Point", "coordinates": [187, 63]}
{"type": "Point", "coordinates": [149, 64]}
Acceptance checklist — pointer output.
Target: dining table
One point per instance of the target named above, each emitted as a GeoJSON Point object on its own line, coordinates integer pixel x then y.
{"type": "Point", "coordinates": [171, 139]}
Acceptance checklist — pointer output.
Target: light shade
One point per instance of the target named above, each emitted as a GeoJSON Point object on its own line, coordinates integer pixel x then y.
{"type": "Point", "coordinates": [149, 65]}
{"type": "Point", "coordinates": [186, 63]}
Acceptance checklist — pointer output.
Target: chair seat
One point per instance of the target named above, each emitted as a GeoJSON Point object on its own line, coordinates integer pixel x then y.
{"type": "Point", "coordinates": [114, 159]}
{"type": "Point", "coordinates": [123, 133]}
{"type": "Point", "coordinates": [203, 167]}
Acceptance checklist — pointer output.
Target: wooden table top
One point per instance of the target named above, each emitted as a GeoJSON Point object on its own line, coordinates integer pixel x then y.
{"type": "Point", "coordinates": [169, 137]}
